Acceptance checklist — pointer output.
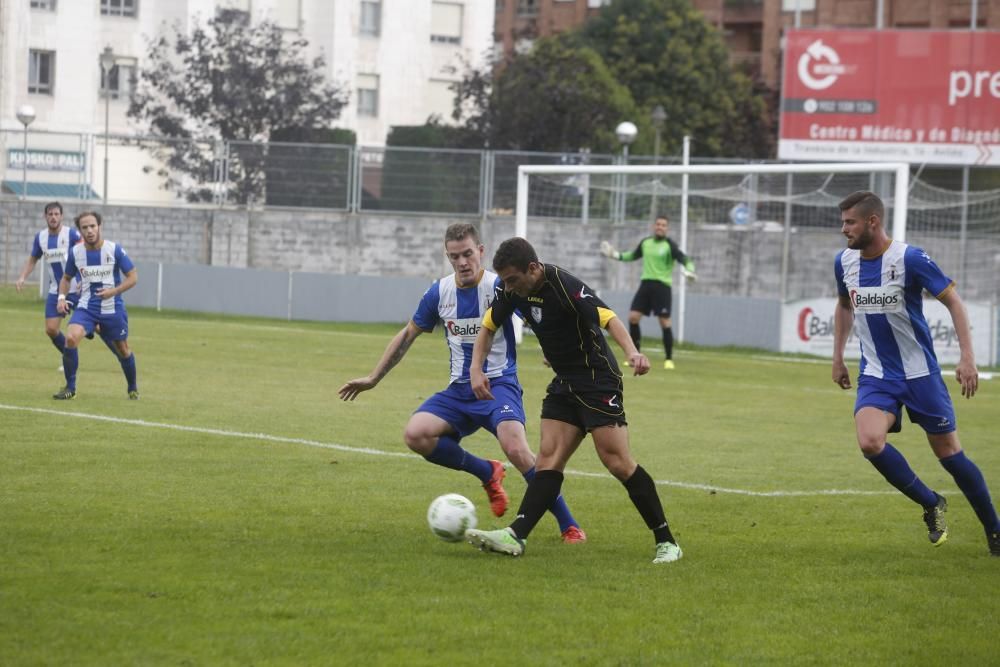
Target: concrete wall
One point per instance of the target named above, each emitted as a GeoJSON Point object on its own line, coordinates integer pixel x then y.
{"type": "Point", "coordinates": [373, 267]}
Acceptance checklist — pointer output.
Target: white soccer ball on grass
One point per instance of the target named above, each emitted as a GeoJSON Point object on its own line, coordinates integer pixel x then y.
{"type": "Point", "coordinates": [450, 515]}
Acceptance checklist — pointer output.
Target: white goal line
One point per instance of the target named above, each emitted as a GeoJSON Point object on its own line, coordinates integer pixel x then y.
{"type": "Point", "coordinates": [378, 452]}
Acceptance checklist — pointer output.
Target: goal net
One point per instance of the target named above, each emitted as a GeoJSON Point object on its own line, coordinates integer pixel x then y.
{"type": "Point", "coordinates": [754, 230]}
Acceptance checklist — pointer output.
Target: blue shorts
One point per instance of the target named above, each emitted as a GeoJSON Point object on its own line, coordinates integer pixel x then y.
{"type": "Point", "coordinates": [458, 406]}
{"type": "Point", "coordinates": [52, 299]}
{"type": "Point", "coordinates": [926, 399]}
{"type": "Point", "coordinates": [114, 326]}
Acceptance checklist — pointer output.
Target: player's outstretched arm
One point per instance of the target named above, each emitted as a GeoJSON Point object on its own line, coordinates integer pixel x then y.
{"type": "Point", "coordinates": [965, 372]}
{"type": "Point", "coordinates": [843, 320]}
{"type": "Point", "coordinates": [639, 361]}
{"type": "Point", "coordinates": [609, 251]}
{"type": "Point", "coordinates": [29, 266]}
{"type": "Point", "coordinates": [478, 381]}
{"type": "Point", "coordinates": [394, 353]}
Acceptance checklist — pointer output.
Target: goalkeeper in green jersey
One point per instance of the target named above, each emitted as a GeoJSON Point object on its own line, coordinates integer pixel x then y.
{"type": "Point", "coordinates": [654, 296]}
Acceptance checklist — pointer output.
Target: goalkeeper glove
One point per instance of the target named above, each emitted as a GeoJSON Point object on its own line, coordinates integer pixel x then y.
{"type": "Point", "coordinates": [690, 275]}
{"type": "Point", "coordinates": [608, 250]}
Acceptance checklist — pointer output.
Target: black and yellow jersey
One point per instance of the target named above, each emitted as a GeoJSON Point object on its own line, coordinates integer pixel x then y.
{"type": "Point", "coordinates": [567, 318]}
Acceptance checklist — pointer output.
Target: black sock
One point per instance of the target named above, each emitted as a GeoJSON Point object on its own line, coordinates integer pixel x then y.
{"type": "Point", "coordinates": [636, 333]}
{"type": "Point", "coordinates": [541, 492]}
{"type": "Point", "coordinates": [668, 342]}
{"type": "Point", "coordinates": [642, 491]}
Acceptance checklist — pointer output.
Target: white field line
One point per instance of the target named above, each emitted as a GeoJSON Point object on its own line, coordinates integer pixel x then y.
{"type": "Point", "coordinates": [378, 452]}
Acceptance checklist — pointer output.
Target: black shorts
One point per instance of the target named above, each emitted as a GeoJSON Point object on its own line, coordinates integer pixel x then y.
{"type": "Point", "coordinates": [652, 298]}
{"type": "Point", "coordinates": [586, 409]}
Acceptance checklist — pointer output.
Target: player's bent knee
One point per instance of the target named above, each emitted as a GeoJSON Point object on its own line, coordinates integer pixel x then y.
{"type": "Point", "coordinates": [871, 445]}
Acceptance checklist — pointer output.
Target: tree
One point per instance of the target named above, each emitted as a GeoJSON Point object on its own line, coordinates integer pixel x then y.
{"type": "Point", "coordinates": [553, 98]}
{"type": "Point", "coordinates": [228, 80]}
{"type": "Point", "coordinates": [665, 53]}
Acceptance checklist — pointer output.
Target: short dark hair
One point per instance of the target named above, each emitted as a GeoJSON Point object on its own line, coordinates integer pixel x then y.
{"type": "Point", "coordinates": [83, 215]}
{"type": "Point", "coordinates": [515, 252]}
{"type": "Point", "coordinates": [866, 202]}
{"type": "Point", "coordinates": [662, 216]}
{"type": "Point", "coordinates": [53, 204]}
{"type": "Point", "coordinates": [460, 230]}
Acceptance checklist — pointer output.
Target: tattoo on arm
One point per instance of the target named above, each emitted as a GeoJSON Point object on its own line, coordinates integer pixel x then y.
{"type": "Point", "coordinates": [395, 356]}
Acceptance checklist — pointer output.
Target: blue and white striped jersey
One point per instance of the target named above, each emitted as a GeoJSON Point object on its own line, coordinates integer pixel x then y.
{"type": "Point", "coordinates": [461, 311]}
{"type": "Point", "coordinates": [54, 248]}
{"type": "Point", "coordinates": [886, 295]}
{"type": "Point", "coordinates": [98, 269]}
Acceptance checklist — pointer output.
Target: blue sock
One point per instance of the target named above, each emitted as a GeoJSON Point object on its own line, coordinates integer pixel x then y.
{"type": "Point", "coordinates": [450, 454]}
{"type": "Point", "coordinates": [897, 472]}
{"type": "Point", "coordinates": [60, 342]}
{"type": "Point", "coordinates": [71, 360]}
{"type": "Point", "coordinates": [128, 367]}
{"type": "Point", "coordinates": [970, 480]}
{"type": "Point", "coordinates": [558, 508]}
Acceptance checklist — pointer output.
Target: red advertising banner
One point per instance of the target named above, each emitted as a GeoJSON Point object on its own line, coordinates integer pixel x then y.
{"type": "Point", "coordinates": [919, 96]}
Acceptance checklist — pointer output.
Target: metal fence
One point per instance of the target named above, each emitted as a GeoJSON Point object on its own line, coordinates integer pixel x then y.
{"type": "Point", "coordinates": [124, 169]}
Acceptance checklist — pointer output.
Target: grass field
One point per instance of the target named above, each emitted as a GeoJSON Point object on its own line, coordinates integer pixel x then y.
{"type": "Point", "coordinates": [239, 513]}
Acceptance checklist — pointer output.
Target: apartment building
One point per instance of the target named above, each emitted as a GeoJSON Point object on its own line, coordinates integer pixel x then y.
{"type": "Point", "coordinates": [393, 55]}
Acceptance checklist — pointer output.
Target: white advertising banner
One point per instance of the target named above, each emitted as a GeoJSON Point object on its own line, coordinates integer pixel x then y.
{"type": "Point", "coordinates": [807, 327]}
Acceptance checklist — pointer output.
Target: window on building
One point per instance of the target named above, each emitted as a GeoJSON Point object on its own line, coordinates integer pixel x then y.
{"type": "Point", "coordinates": [446, 23]}
{"type": "Point", "coordinates": [440, 98]}
{"type": "Point", "coordinates": [801, 5]}
{"type": "Point", "coordinates": [233, 16]}
{"type": "Point", "coordinates": [49, 5]}
{"type": "Point", "coordinates": [119, 7]}
{"type": "Point", "coordinates": [527, 7]}
{"type": "Point", "coordinates": [41, 71]}
{"type": "Point", "coordinates": [120, 81]}
{"type": "Point", "coordinates": [368, 95]}
{"type": "Point", "coordinates": [286, 14]}
{"type": "Point", "coordinates": [371, 17]}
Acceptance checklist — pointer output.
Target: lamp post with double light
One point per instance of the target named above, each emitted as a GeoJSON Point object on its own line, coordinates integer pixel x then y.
{"type": "Point", "coordinates": [26, 115]}
{"type": "Point", "coordinates": [107, 63]}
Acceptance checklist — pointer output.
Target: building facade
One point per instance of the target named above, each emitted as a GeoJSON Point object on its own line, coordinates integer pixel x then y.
{"type": "Point", "coordinates": [397, 57]}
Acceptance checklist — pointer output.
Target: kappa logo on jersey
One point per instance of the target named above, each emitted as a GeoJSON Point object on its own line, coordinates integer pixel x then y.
{"type": "Point", "coordinates": [467, 329]}
{"type": "Point", "coordinates": [875, 300]}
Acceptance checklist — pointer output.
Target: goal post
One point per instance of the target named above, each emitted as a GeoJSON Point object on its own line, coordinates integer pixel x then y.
{"type": "Point", "coordinates": [621, 185]}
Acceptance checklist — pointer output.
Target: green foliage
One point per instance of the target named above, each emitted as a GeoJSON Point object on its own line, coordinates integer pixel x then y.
{"type": "Point", "coordinates": [417, 178]}
{"type": "Point", "coordinates": [231, 81]}
{"type": "Point", "coordinates": [191, 533]}
{"type": "Point", "coordinates": [309, 167]}
{"type": "Point", "coordinates": [553, 98]}
{"type": "Point", "coordinates": [665, 53]}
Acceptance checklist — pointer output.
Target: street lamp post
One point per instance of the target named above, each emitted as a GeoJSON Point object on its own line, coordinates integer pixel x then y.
{"type": "Point", "coordinates": [25, 114]}
{"type": "Point", "coordinates": [626, 133]}
{"type": "Point", "coordinates": [659, 118]}
{"type": "Point", "coordinates": [107, 63]}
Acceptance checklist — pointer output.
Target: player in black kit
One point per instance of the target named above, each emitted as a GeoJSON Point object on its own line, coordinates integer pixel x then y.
{"type": "Point", "coordinates": [585, 396]}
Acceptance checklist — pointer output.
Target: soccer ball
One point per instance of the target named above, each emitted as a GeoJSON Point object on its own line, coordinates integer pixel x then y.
{"type": "Point", "coordinates": [450, 515]}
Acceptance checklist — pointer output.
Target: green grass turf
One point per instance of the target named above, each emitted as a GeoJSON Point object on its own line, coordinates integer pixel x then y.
{"type": "Point", "coordinates": [129, 542]}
